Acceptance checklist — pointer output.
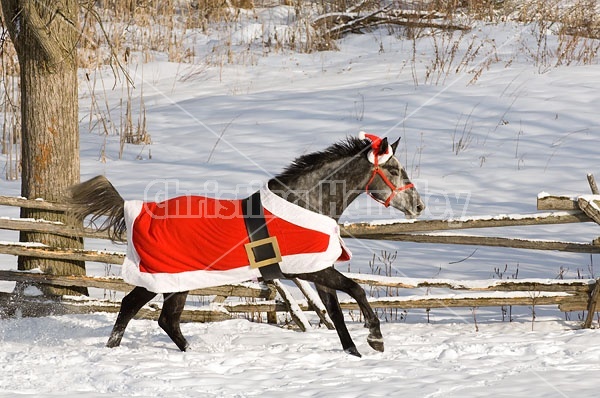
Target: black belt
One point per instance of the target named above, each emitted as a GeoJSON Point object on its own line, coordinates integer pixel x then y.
{"type": "Point", "coordinates": [263, 250]}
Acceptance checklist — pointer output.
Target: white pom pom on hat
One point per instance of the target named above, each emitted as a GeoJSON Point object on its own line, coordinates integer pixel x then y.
{"type": "Point", "coordinates": [375, 143]}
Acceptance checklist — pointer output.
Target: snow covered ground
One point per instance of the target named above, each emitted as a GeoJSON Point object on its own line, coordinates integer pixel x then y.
{"type": "Point", "coordinates": [65, 356]}
{"type": "Point", "coordinates": [475, 144]}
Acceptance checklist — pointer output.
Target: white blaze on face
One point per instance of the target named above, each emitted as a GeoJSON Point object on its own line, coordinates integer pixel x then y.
{"type": "Point", "coordinates": [408, 201]}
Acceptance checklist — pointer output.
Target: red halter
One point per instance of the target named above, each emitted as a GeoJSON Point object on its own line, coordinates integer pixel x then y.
{"type": "Point", "coordinates": [377, 171]}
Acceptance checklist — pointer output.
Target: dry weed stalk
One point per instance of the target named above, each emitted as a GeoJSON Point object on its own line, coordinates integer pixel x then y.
{"type": "Point", "coordinates": [383, 264]}
{"type": "Point", "coordinates": [115, 30]}
{"type": "Point", "coordinates": [576, 25]}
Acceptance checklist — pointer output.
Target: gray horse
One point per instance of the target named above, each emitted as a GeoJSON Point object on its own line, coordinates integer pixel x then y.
{"type": "Point", "coordinates": [325, 182]}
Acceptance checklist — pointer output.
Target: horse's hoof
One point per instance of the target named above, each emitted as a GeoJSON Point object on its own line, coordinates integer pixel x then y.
{"type": "Point", "coordinates": [376, 344]}
{"type": "Point", "coordinates": [353, 351]}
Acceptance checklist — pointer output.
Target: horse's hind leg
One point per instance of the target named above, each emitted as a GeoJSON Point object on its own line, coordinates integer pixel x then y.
{"type": "Point", "coordinates": [130, 305]}
{"type": "Point", "coordinates": [170, 316]}
{"type": "Point", "coordinates": [330, 300]}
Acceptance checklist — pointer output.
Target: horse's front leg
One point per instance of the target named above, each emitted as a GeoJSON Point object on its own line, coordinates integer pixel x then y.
{"type": "Point", "coordinates": [350, 287]}
{"type": "Point", "coordinates": [333, 279]}
{"type": "Point", "coordinates": [330, 300]}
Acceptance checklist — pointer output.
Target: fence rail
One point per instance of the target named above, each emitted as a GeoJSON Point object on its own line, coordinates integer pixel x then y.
{"type": "Point", "coordinates": [569, 295]}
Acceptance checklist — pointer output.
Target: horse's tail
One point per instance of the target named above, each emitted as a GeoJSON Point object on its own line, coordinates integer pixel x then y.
{"type": "Point", "coordinates": [99, 198]}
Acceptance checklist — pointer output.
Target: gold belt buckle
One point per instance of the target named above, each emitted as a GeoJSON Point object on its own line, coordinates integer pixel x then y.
{"type": "Point", "coordinates": [271, 240]}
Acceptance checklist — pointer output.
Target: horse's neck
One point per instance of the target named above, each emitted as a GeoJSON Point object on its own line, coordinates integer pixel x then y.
{"type": "Point", "coordinates": [327, 191]}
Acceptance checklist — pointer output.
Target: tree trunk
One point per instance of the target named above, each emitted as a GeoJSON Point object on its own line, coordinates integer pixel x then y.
{"type": "Point", "coordinates": [45, 35]}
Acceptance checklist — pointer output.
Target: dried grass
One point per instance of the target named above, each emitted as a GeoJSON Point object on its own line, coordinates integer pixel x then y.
{"type": "Point", "coordinates": [127, 33]}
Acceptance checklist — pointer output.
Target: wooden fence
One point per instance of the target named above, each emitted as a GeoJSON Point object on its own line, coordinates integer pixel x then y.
{"type": "Point", "coordinates": [259, 298]}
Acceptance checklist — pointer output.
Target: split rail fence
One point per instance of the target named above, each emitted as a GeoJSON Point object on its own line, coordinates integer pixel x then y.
{"type": "Point", "coordinates": [260, 298]}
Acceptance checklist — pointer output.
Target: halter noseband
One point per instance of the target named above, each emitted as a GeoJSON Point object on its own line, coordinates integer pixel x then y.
{"type": "Point", "coordinates": [378, 172]}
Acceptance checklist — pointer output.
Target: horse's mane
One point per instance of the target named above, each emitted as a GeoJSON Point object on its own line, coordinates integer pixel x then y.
{"type": "Point", "coordinates": [348, 148]}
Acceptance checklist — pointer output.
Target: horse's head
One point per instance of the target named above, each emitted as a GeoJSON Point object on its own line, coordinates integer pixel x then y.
{"type": "Point", "coordinates": [388, 182]}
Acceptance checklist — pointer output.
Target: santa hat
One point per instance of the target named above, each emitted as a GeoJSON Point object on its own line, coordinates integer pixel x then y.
{"type": "Point", "coordinates": [376, 148]}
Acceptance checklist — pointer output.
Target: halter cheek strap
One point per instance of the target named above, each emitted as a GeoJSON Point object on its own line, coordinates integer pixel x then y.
{"type": "Point", "coordinates": [377, 171]}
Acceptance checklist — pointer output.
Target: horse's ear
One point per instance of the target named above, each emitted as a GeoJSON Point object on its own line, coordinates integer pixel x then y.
{"type": "Point", "coordinates": [395, 145]}
{"type": "Point", "coordinates": [383, 146]}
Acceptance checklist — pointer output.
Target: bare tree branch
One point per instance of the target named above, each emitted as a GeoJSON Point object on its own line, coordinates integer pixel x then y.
{"type": "Point", "coordinates": [337, 24]}
{"type": "Point", "coordinates": [40, 31]}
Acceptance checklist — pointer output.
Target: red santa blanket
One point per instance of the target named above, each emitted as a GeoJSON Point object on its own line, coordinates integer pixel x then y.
{"type": "Point", "coordinates": [191, 242]}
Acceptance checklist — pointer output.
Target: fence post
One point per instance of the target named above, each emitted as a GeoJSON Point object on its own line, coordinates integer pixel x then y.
{"type": "Point", "coordinates": [315, 302]}
{"type": "Point", "coordinates": [591, 310]}
{"type": "Point", "coordinates": [293, 308]}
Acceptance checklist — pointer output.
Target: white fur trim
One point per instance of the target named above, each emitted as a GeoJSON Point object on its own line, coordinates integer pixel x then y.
{"type": "Point", "coordinates": [371, 156]}
{"type": "Point", "coordinates": [309, 262]}
{"type": "Point", "coordinates": [382, 158]}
